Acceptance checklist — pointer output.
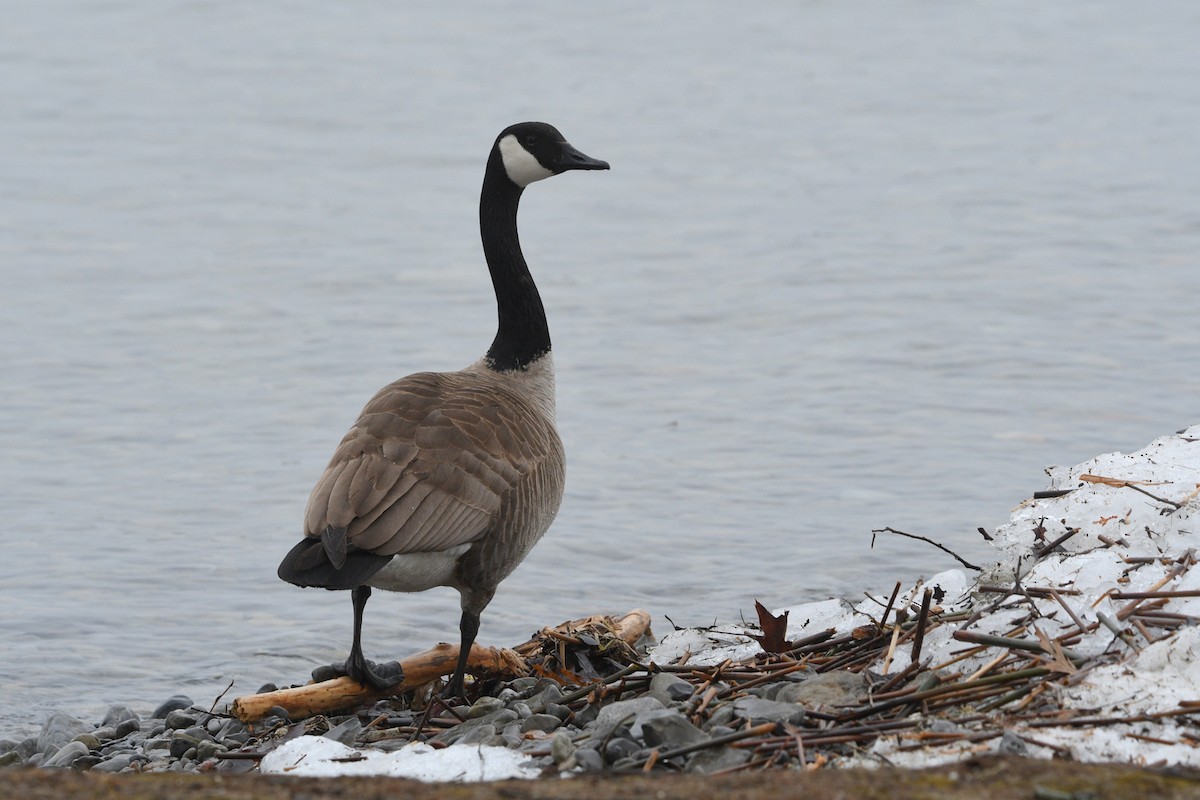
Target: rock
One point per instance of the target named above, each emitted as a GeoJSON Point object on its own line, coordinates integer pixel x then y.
{"type": "Point", "coordinates": [126, 727]}
{"type": "Point", "coordinates": [720, 718]}
{"type": "Point", "coordinates": [826, 689]}
{"type": "Point", "coordinates": [940, 725]}
{"type": "Point", "coordinates": [234, 731]}
{"type": "Point", "coordinates": [172, 703]}
{"type": "Point", "coordinates": [484, 706]}
{"type": "Point", "coordinates": [1011, 744]}
{"type": "Point", "coordinates": [66, 755]}
{"type": "Point", "coordinates": [497, 719]}
{"type": "Point", "coordinates": [118, 714]}
{"type": "Point", "coordinates": [345, 732]}
{"type": "Point", "coordinates": [670, 729]}
{"type": "Point", "coordinates": [105, 734]}
{"type": "Point", "coordinates": [549, 694]}
{"type": "Point", "coordinates": [8, 746]}
{"type": "Point", "coordinates": [114, 764]}
{"type": "Point", "coordinates": [622, 711]}
{"type": "Point", "coordinates": [10, 759]}
{"type": "Point", "coordinates": [540, 722]}
{"type": "Point", "coordinates": [522, 708]}
{"type": "Point", "coordinates": [57, 731]}
{"type": "Point", "coordinates": [182, 742]}
{"type": "Point", "coordinates": [559, 710]}
{"type": "Point", "coordinates": [561, 747]}
{"type": "Point", "coordinates": [267, 687]}
{"type": "Point", "coordinates": [715, 759]}
{"type": "Point", "coordinates": [523, 685]}
{"type": "Point", "coordinates": [479, 734]}
{"type": "Point", "coordinates": [88, 740]}
{"type": "Point", "coordinates": [156, 743]}
{"type": "Point", "coordinates": [619, 748]}
{"type": "Point", "coordinates": [589, 760]}
{"type": "Point", "coordinates": [758, 710]}
{"type": "Point", "coordinates": [669, 688]}
{"type": "Point", "coordinates": [206, 750]}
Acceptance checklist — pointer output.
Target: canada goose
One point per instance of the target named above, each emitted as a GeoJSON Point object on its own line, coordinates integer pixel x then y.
{"type": "Point", "coordinates": [449, 478]}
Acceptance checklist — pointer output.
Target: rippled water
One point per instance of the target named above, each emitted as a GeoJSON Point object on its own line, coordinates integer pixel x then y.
{"type": "Point", "coordinates": [856, 264]}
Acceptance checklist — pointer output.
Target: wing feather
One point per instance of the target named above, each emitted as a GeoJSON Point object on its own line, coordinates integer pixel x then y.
{"type": "Point", "coordinates": [428, 463]}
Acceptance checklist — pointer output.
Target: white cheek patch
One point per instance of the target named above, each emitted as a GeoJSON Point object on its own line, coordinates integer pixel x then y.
{"type": "Point", "coordinates": [522, 168]}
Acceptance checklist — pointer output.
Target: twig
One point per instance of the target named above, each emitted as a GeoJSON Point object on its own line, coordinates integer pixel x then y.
{"type": "Point", "coordinates": [926, 539]}
{"type": "Point", "coordinates": [1046, 550]}
{"type": "Point", "coordinates": [921, 622]}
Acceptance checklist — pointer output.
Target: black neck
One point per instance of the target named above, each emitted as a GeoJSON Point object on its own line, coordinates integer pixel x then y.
{"type": "Point", "coordinates": [523, 335]}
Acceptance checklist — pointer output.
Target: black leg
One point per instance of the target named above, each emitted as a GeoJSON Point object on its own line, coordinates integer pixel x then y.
{"type": "Point", "coordinates": [468, 626]}
{"type": "Point", "coordinates": [368, 673]}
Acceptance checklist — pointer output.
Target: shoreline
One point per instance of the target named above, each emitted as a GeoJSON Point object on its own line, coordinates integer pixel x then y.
{"type": "Point", "coordinates": [1089, 612]}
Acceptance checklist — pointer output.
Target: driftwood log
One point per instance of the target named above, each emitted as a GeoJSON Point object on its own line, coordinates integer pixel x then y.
{"type": "Point", "coordinates": [343, 693]}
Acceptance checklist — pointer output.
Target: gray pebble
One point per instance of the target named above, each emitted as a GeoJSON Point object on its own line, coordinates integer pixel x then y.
{"type": "Point", "coordinates": [157, 743]}
{"type": "Point", "coordinates": [758, 710]}
{"type": "Point", "coordinates": [171, 704]}
{"type": "Point", "coordinates": [721, 717]}
{"type": "Point", "coordinates": [588, 760]}
{"type": "Point", "coordinates": [10, 759]}
{"type": "Point", "coordinates": [561, 747]}
{"type": "Point", "coordinates": [669, 688]}
{"type": "Point", "coordinates": [57, 731]}
{"type": "Point", "coordinates": [587, 715]}
{"type": "Point", "coordinates": [66, 755]}
{"type": "Point", "coordinates": [484, 706]}
{"type": "Point", "coordinates": [114, 764]}
{"type": "Point", "coordinates": [182, 742]}
{"type": "Point", "coordinates": [522, 709]}
{"type": "Point", "coordinates": [619, 748]}
{"type": "Point", "coordinates": [207, 750]}
{"type": "Point", "coordinates": [633, 711]}
{"type": "Point", "coordinates": [233, 731]}
{"type": "Point", "coordinates": [522, 685]}
{"type": "Point", "coordinates": [118, 714]}
{"type": "Point", "coordinates": [670, 729]}
{"type": "Point", "coordinates": [940, 725]}
{"type": "Point", "coordinates": [479, 734]}
{"type": "Point", "coordinates": [345, 732]}
{"type": "Point", "coordinates": [1013, 745]}
{"type": "Point", "coordinates": [548, 694]}
{"type": "Point", "coordinates": [715, 759]}
{"type": "Point", "coordinates": [827, 688]}
{"type": "Point", "coordinates": [105, 734]}
{"type": "Point", "coordinates": [88, 740]}
{"type": "Point", "coordinates": [559, 710]}
{"type": "Point", "coordinates": [540, 722]}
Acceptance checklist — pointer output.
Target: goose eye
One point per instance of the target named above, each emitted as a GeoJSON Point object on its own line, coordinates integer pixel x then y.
{"type": "Point", "coordinates": [531, 139]}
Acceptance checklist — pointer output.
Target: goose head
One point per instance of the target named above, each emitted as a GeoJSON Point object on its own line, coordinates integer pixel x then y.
{"type": "Point", "coordinates": [531, 151]}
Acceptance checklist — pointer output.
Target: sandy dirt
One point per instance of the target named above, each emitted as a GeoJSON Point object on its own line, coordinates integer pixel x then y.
{"type": "Point", "coordinates": [977, 779]}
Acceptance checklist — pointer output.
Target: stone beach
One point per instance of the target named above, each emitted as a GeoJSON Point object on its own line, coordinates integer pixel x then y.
{"type": "Point", "coordinates": [1078, 643]}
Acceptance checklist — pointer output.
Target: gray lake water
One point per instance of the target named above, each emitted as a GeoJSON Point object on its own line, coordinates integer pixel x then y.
{"type": "Point", "coordinates": [856, 264]}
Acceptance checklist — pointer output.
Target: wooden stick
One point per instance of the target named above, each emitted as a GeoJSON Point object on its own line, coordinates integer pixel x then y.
{"type": "Point", "coordinates": [341, 693]}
